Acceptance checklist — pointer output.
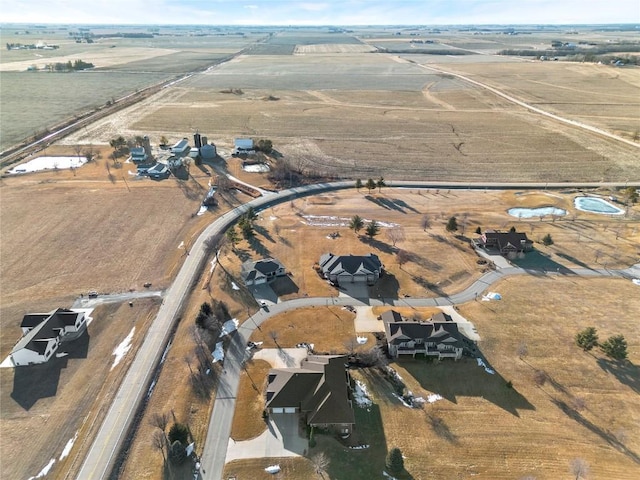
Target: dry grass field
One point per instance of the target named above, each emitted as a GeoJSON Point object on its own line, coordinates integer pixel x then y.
{"type": "Point", "coordinates": [44, 406]}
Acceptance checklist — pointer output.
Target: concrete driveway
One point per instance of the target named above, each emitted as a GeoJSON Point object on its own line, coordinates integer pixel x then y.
{"type": "Point", "coordinates": [282, 357]}
{"type": "Point", "coordinates": [366, 321]}
{"type": "Point", "coordinates": [354, 290]}
{"type": "Point", "coordinates": [280, 439]}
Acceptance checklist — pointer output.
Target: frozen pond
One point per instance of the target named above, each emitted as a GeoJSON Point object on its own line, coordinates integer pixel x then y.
{"type": "Point", "coordinates": [49, 163]}
{"type": "Point", "coordinates": [596, 205]}
{"type": "Point", "coordinates": [535, 212]}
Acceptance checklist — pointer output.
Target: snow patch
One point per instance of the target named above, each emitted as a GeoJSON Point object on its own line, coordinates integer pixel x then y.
{"type": "Point", "coordinates": [491, 296]}
{"type": "Point", "coordinates": [121, 350]}
{"type": "Point", "coordinates": [234, 286]}
{"type": "Point", "coordinates": [229, 326]}
{"type": "Point", "coordinates": [48, 163]}
{"type": "Point", "coordinates": [404, 402]}
{"type": "Point", "coordinates": [636, 281]}
{"type": "Point", "coordinates": [202, 210]}
{"type": "Point", "coordinates": [67, 448]}
{"type": "Point", "coordinates": [361, 395]}
{"type": "Point", "coordinates": [434, 397]}
{"type": "Point", "coordinates": [181, 245]}
{"type": "Point", "coordinates": [484, 365]}
{"type": "Point", "coordinates": [272, 469]}
{"type": "Point", "coordinates": [45, 470]}
{"type": "Point", "coordinates": [218, 353]}
{"type": "Point", "coordinates": [361, 340]}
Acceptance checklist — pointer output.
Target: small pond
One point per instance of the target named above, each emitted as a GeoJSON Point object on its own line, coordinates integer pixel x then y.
{"type": "Point", "coordinates": [596, 205]}
{"type": "Point", "coordinates": [535, 212]}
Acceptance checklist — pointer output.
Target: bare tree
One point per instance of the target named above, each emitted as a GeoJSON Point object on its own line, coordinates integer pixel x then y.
{"type": "Point", "coordinates": [578, 403]}
{"type": "Point", "coordinates": [159, 442]}
{"type": "Point", "coordinates": [579, 467]}
{"type": "Point", "coordinates": [160, 420]}
{"type": "Point", "coordinates": [273, 334]}
{"type": "Point", "coordinates": [351, 344]}
{"type": "Point", "coordinates": [395, 234]}
{"type": "Point", "coordinates": [402, 257]}
{"type": "Point", "coordinates": [523, 350]}
{"type": "Point", "coordinates": [540, 377]}
{"type": "Point", "coordinates": [320, 463]}
{"type": "Point", "coordinates": [425, 222]}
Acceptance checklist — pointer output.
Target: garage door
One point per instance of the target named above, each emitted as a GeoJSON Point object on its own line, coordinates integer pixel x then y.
{"type": "Point", "coordinates": [277, 410]}
{"type": "Point", "coordinates": [289, 409]}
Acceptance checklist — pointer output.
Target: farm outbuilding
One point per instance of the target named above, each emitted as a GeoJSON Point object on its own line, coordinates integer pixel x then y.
{"type": "Point", "coordinates": [243, 146]}
{"type": "Point", "coordinates": [208, 152]}
{"type": "Point", "coordinates": [181, 149]}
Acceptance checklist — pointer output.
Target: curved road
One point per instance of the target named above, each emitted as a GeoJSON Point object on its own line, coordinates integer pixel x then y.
{"type": "Point", "coordinates": [102, 454]}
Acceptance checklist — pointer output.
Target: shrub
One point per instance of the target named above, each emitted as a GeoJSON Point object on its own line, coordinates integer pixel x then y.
{"type": "Point", "coordinates": [547, 240]}
{"type": "Point", "coordinates": [179, 433]}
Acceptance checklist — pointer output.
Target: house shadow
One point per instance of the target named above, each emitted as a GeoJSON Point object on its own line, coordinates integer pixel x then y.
{"type": "Point", "coordinates": [538, 263]}
{"type": "Point", "coordinates": [626, 372]}
{"type": "Point", "coordinates": [607, 436]}
{"type": "Point", "coordinates": [34, 382]}
{"type": "Point", "coordinates": [284, 286]}
{"type": "Point", "coordinates": [573, 260]}
{"type": "Point", "coordinates": [465, 378]}
{"type": "Point", "coordinates": [386, 288]}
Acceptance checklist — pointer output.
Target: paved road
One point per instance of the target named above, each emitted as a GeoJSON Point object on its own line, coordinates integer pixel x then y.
{"type": "Point", "coordinates": [102, 453]}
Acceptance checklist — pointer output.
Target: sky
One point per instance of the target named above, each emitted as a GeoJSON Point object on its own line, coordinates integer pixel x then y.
{"type": "Point", "coordinates": [321, 12]}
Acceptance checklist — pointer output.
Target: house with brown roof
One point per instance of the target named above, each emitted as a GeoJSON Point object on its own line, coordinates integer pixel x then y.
{"type": "Point", "coordinates": [507, 243]}
{"type": "Point", "coordinates": [438, 337]}
{"type": "Point", "coordinates": [43, 333]}
{"type": "Point", "coordinates": [319, 391]}
{"type": "Point", "coordinates": [341, 269]}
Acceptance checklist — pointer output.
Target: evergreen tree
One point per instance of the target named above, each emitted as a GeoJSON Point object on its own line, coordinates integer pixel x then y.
{"type": "Point", "coordinates": [452, 224]}
{"type": "Point", "coordinates": [356, 223]}
{"type": "Point", "coordinates": [372, 229]}
{"type": "Point", "coordinates": [615, 347]}
{"type": "Point", "coordinates": [587, 338]}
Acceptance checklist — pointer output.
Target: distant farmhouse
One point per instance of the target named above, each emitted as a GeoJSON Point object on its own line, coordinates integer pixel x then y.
{"type": "Point", "coordinates": [318, 390]}
{"type": "Point", "coordinates": [351, 268]}
{"type": "Point", "coordinates": [439, 337]}
{"type": "Point", "coordinates": [508, 244]}
{"type": "Point", "coordinates": [261, 271]}
{"type": "Point", "coordinates": [43, 333]}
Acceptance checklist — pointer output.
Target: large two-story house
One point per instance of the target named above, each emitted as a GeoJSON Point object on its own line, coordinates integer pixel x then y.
{"type": "Point", "coordinates": [43, 333]}
{"type": "Point", "coordinates": [438, 337]}
{"type": "Point", "coordinates": [341, 269]}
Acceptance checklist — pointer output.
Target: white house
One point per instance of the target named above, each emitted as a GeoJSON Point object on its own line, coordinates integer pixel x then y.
{"type": "Point", "coordinates": [43, 333]}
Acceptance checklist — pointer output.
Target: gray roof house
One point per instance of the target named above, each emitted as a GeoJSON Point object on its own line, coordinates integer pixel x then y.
{"type": "Point", "coordinates": [43, 333]}
{"type": "Point", "coordinates": [138, 155]}
{"type": "Point", "coordinates": [438, 337]}
{"type": "Point", "coordinates": [261, 271]}
{"type": "Point", "coordinates": [351, 268]}
{"type": "Point", "coordinates": [319, 390]}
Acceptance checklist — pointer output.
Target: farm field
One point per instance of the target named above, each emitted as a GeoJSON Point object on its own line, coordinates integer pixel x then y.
{"type": "Point", "coordinates": [34, 101]}
{"type": "Point", "coordinates": [351, 115]}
